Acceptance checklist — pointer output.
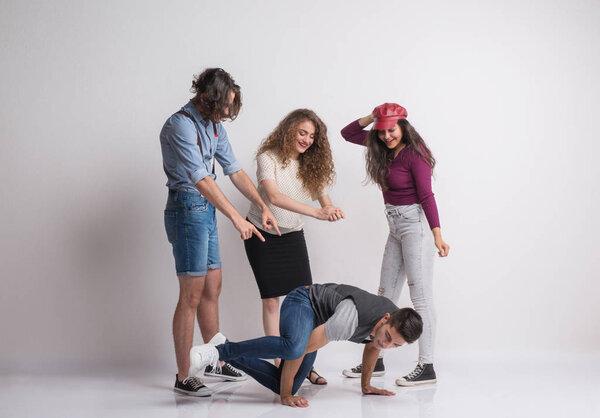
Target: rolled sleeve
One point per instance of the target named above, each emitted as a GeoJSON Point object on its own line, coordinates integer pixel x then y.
{"type": "Point", "coordinates": [224, 153]}
{"type": "Point", "coordinates": [183, 139]}
{"type": "Point", "coordinates": [198, 175]}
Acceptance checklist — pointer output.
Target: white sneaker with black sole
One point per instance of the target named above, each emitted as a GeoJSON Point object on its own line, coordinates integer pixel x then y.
{"type": "Point", "coordinates": [378, 370]}
{"type": "Point", "coordinates": [191, 386]}
{"type": "Point", "coordinates": [218, 339]}
{"type": "Point", "coordinates": [202, 356]}
{"type": "Point", "coordinates": [422, 374]}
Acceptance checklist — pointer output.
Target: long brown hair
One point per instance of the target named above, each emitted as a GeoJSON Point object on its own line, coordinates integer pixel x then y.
{"type": "Point", "coordinates": [379, 157]}
{"type": "Point", "coordinates": [316, 163]}
{"type": "Point", "coordinates": [212, 88]}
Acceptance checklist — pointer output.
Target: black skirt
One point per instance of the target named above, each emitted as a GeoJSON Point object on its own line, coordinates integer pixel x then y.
{"type": "Point", "coordinates": [280, 264]}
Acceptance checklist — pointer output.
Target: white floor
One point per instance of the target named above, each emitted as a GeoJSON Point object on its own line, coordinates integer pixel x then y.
{"type": "Point", "coordinates": [470, 385]}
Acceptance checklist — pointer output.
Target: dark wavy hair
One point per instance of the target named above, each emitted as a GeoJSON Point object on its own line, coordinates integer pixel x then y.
{"type": "Point", "coordinates": [379, 156]}
{"type": "Point", "coordinates": [316, 163]}
{"type": "Point", "coordinates": [212, 88]}
{"type": "Point", "coordinates": [408, 323]}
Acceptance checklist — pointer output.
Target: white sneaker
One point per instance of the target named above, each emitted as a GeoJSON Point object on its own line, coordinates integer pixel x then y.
{"type": "Point", "coordinates": [226, 371]}
{"type": "Point", "coordinates": [218, 339]}
{"type": "Point", "coordinates": [202, 356]}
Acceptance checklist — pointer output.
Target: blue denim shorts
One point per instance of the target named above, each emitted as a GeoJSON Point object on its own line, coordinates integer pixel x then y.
{"type": "Point", "coordinates": [191, 225]}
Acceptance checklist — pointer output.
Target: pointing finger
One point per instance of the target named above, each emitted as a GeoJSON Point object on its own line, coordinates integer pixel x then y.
{"type": "Point", "coordinates": [258, 234]}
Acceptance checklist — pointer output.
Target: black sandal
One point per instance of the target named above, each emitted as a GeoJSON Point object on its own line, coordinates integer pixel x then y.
{"type": "Point", "coordinates": [320, 380]}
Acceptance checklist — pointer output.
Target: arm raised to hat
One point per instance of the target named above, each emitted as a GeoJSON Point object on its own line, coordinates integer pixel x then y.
{"type": "Point", "coordinates": [367, 120]}
{"type": "Point", "coordinates": [355, 133]}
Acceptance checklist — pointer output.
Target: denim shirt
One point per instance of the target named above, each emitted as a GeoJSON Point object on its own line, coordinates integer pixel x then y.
{"type": "Point", "coordinates": [183, 163]}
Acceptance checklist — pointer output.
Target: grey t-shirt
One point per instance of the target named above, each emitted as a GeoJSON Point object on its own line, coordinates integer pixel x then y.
{"type": "Point", "coordinates": [342, 324]}
{"type": "Point", "coordinates": [325, 298]}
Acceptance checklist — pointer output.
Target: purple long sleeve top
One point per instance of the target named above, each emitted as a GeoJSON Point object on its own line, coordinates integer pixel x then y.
{"type": "Point", "coordinates": [408, 180]}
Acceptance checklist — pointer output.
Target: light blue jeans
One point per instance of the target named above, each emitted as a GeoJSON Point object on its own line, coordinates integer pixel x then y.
{"type": "Point", "coordinates": [409, 256]}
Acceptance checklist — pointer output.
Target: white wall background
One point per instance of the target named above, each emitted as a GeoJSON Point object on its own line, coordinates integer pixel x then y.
{"type": "Point", "coordinates": [505, 93]}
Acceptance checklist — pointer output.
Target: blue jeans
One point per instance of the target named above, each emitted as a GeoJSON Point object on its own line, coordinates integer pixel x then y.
{"type": "Point", "coordinates": [191, 226]}
{"type": "Point", "coordinates": [296, 322]}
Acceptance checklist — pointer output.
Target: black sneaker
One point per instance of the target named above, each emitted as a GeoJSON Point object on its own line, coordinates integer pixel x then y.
{"type": "Point", "coordinates": [226, 372]}
{"type": "Point", "coordinates": [191, 386]}
{"type": "Point", "coordinates": [379, 369]}
{"type": "Point", "coordinates": [422, 374]}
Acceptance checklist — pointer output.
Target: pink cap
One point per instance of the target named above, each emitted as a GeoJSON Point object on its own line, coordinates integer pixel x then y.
{"type": "Point", "coordinates": [387, 115]}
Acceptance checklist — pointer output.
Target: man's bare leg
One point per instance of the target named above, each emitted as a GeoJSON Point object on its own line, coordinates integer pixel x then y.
{"type": "Point", "coordinates": [190, 292]}
{"type": "Point", "coordinates": [208, 309]}
{"type": "Point", "coordinates": [208, 315]}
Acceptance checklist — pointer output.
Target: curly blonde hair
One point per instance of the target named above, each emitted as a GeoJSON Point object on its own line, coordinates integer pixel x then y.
{"type": "Point", "coordinates": [316, 163]}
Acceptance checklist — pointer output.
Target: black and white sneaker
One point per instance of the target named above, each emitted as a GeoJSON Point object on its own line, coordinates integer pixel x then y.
{"type": "Point", "coordinates": [226, 372]}
{"type": "Point", "coordinates": [379, 370]}
{"type": "Point", "coordinates": [421, 375]}
{"type": "Point", "coordinates": [191, 386]}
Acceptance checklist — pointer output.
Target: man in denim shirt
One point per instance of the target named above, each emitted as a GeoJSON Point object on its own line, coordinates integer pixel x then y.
{"type": "Point", "coordinates": [190, 139]}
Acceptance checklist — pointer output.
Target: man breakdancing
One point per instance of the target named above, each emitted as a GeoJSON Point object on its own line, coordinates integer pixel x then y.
{"type": "Point", "coordinates": [312, 316]}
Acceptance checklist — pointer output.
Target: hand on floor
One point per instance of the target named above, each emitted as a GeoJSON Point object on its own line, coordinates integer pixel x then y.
{"type": "Point", "coordinates": [370, 390]}
{"type": "Point", "coordinates": [294, 401]}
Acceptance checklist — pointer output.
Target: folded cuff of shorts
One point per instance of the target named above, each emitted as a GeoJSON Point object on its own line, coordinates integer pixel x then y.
{"type": "Point", "coordinates": [200, 273]}
{"type": "Point", "coordinates": [191, 273]}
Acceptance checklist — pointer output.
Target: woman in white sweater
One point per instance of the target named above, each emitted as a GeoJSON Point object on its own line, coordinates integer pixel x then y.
{"type": "Point", "coordinates": [294, 165]}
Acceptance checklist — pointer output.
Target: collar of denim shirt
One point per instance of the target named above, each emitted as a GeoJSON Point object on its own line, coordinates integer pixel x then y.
{"type": "Point", "coordinates": [191, 109]}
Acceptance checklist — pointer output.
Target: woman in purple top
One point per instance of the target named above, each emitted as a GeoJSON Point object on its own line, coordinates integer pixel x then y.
{"type": "Point", "coordinates": [400, 163]}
